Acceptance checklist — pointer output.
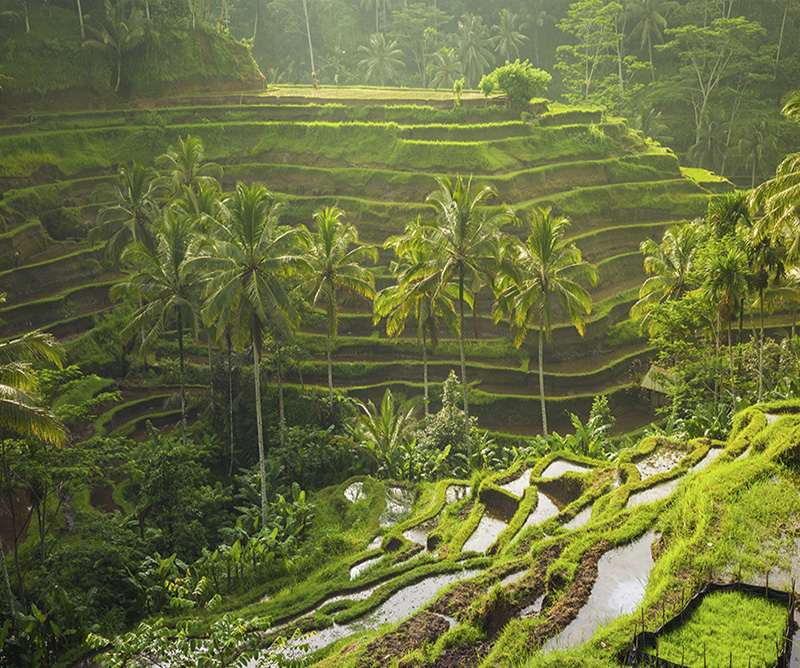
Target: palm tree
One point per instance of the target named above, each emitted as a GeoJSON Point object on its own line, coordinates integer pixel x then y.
{"type": "Point", "coordinates": [384, 430]}
{"type": "Point", "coordinates": [334, 264]}
{"type": "Point", "coordinates": [725, 284]}
{"type": "Point", "coordinates": [381, 59]}
{"type": "Point", "coordinates": [473, 47]}
{"type": "Point", "coordinates": [766, 261]}
{"type": "Point", "coordinates": [186, 172]}
{"type": "Point", "coordinates": [463, 245]}
{"type": "Point", "coordinates": [446, 68]}
{"type": "Point", "coordinates": [165, 286]}
{"type": "Point", "coordinates": [130, 206]}
{"type": "Point", "coordinates": [727, 214]}
{"type": "Point", "coordinates": [759, 141]}
{"type": "Point", "coordinates": [507, 38]}
{"type": "Point", "coordinates": [792, 107]}
{"type": "Point", "coordinates": [546, 269]}
{"type": "Point", "coordinates": [120, 34]}
{"type": "Point", "coordinates": [128, 213]}
{"type": "Point", "coordinates": [415, 293]}
{"type": "Point", "coordinates": [668, 265]}
{"type": "Point", "coordinates": [21, 409]}
{"type": "Point", "coordinates": [368, 4]}
{"type": "Point", "coordinates": [649, 18]}
{"type": "Point", "coordinates": [247, 288]}
{"type": "Point", "coordinates": [779, 201]}
{"type": "Point", "coordinates": [537, 18]}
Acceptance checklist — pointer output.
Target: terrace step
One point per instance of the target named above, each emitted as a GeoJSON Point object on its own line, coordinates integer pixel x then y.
{"type": "Point", "coordinates": [48, 278]}
{"type": "Point", "coordinates": [44, 312]}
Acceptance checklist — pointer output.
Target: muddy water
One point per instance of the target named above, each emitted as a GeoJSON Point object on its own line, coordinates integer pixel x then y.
{"type": "Point", "coordinates": [398, 505]}
{"type": "Point", "coordinates": [581, 518]}
{"type": "Point", "coordinates": [560, 466]}
{"type": "Point", "coordinates": [545, 509]}
{"type": "Point", "coordinates": [517, 487]}
{"type": "Point", "coordinates": [355, 492]}
{"type": "Point", "coordinates": [358, 569]}
{"type": "Point", "coordinates": [513, 577]}
{"type": "Point", "coordinates": [711, 455]}
{"type": "Point", "coordinates": [397, 607]}
{"type": "Point", "coordinates": [456, 493]}
{"type": "Point", "coordinates": [661, 461]}
{"type": "Point", "coordinates": [621, 582]}
{"type": "Point", "coordinates": [534, 609]}
{"type": "Point", "coordinates": [487, 532]}
{"type": "Point", "coordinates": [656, 493]}
{"type": "Point", "coordinates": [417, 535]}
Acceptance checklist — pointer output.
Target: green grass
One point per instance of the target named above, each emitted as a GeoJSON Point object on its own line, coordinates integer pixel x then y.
{"type": "Point", "coordinates": [725, 627]}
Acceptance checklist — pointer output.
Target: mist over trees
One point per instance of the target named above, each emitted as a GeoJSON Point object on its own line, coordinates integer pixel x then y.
{"type": "Point", "coordinates": [728, 64]}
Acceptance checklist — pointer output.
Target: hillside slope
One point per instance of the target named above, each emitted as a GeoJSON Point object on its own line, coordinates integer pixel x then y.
{"type": "Point", "coordinates": [50, 67]}
{"type": "Point", "coordinates": [377, 159]}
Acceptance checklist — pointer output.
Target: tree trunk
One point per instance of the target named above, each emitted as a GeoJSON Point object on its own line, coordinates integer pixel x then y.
{"type": "Point", "coordinates": [147, 9]}
{"type": "Point", "coordinates": [80, 19]}
{"type": "Point", "coordinates": [211, 374]}
{"type": "Point", "coordinates": [780, 37]}
{"type": "Point", "coordinates": [281, 417]}
{"type": "Point", "coordinates": [230, 400]}
{"type": "Point", "coordinates": [541, 381]}
{"type": "Point", "coordinates": [261, 469]}
{"type": "Point", "coordinates": [761, 346]}
{"type": "Point", "coordinates": [255, 22]}
{"type": "Point", "coordinates": [730, 356]}
{"type": "Point", "coordinates": [330, 370]}
{"type": "Point", "coordinates": [27, 22]}
{"type": "Point", "coordinates": [463, 360]}
{"type": "Point", "coordinates": [308, 32]}
{"type": "Point", "coordinates": [183, 382]}
{"type": "Point", "coordinates": [119, 71]}
{"type": "Point", "coordinates": [425, 372]}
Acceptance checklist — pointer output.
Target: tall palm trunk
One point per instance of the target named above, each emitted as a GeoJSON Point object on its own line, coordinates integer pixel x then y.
{"type": "Point", "coordinates": [463, 359]}
{"type": "Point", "coordinates": [281, 417]}
{"type": "Point", "coordinates": [230, 400]}
{"type": "Point", "coordinates": [261, 468]}
{"type": "Point", "coordinates": [761, 345]}
{"type": "Point", "coordinates": [541, 380]}
{"type": "Point", "coordinates": [183, 382]}
{"type": "Point", "coordinates": [255, 22]}
{"type": "Point", "coordinates": [425, 371]}
{"type": "Point", "coordinates": [119, 69]}
{"type": "Point", "coordinates": [80, 19]}
{"type": "Point", "coordinates": [211, 374]}
{"type": "Point", "coordinates": [780, 37]}
{"type": "Point", "coordinates": [330, 370]}
{"type": "Point", "coordinates": [308, 33]}
{"type": "Point", "coordinates": [730, 356]}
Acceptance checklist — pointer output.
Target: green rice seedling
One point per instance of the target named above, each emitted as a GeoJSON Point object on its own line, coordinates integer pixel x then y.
{"type": "Point", "coordinates": [725, 627]}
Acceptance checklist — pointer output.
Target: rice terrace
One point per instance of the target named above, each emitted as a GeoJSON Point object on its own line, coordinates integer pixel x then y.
{"type": "Point", "coordinates": [364, 334]}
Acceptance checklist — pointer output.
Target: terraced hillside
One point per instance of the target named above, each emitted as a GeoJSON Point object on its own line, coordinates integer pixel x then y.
{"type": "Point", "coordinates": [377, 159]}
{"type": "Point", "coordinates": [555, 554]}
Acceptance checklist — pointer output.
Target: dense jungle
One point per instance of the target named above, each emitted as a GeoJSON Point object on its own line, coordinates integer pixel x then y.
{"type": "Point", "coordinates": [412, 334]}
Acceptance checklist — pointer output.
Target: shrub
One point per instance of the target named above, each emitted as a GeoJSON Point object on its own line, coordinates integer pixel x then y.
{"type": "Point", "coordinates": [520, 81]}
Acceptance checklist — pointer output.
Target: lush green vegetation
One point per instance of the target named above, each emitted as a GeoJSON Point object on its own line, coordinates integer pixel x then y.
{"type": "Point", "coordinates": [263, 433]}
{"type": "Point", "coordinates": [741, 625]}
